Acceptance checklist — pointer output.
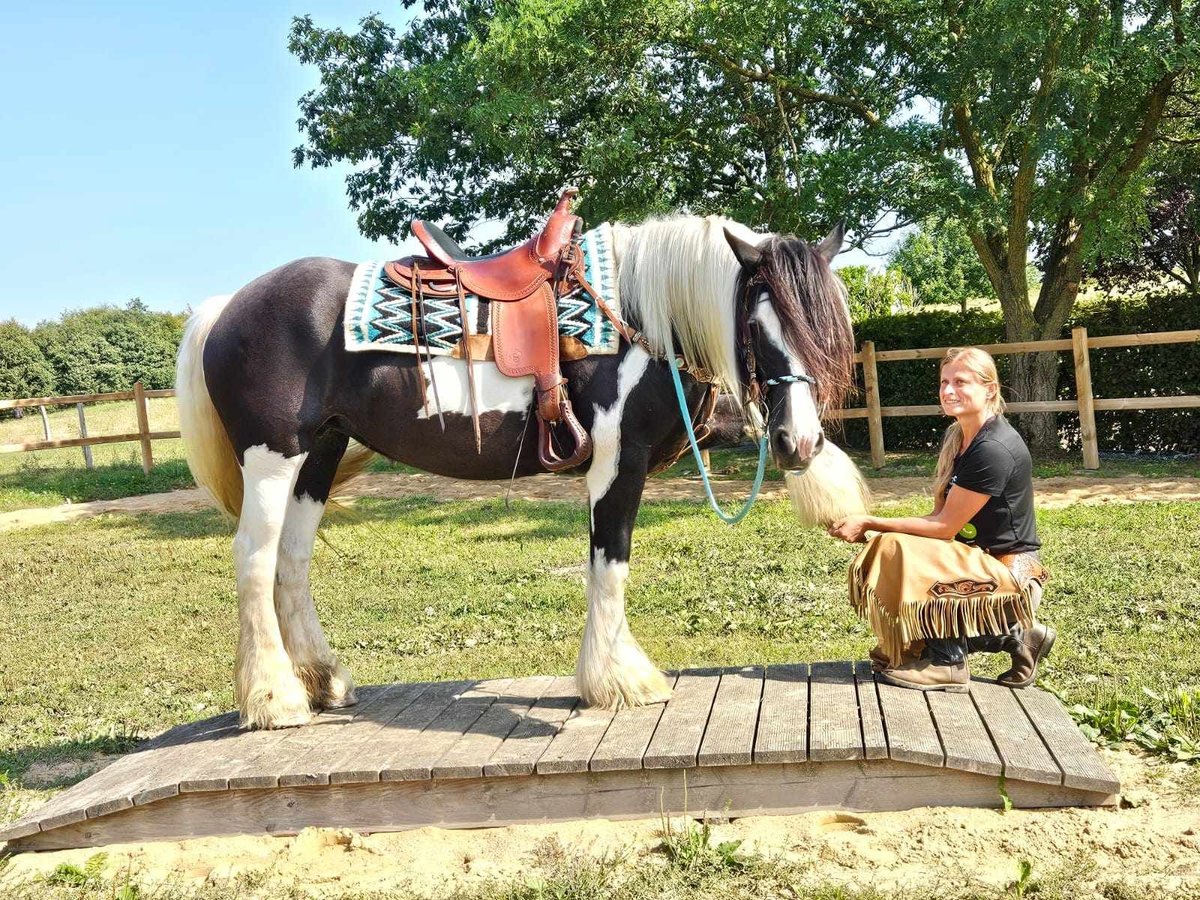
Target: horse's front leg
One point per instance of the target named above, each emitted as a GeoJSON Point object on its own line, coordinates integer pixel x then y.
{"type": "Point", "coordinates": [613, 670]}
{"type": "Point", "coordinates": [269, 693]}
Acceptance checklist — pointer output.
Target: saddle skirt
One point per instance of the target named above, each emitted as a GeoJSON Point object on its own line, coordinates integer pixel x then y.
{"type": "Point", "coordinates": [378, 313]}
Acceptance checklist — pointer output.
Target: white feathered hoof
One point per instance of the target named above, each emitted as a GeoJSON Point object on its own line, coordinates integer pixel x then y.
{"type": "Point", "coordinates": [333, 687]}
{"type": "Point", "coordinates": [634, 681]}
{"type": "Point", "coordinates": [283, 704]}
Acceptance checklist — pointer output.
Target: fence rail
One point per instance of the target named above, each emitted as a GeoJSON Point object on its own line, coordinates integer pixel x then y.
{"type": "Point", "coordinates": [143, 435]}
{"type": "Point", "coordinates": [1085, 404]}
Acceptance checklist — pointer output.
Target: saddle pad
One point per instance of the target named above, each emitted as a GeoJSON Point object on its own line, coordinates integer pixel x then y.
{"type": "Point", "coordinates": [379, 314]}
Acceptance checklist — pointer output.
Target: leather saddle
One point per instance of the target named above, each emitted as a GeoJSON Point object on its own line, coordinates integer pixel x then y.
{"type": "Point", "coordinates": [523, 285]}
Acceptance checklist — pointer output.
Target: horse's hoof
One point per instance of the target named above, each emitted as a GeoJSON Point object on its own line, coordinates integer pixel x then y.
{"type": "Point", "coordinates": [276, 708]}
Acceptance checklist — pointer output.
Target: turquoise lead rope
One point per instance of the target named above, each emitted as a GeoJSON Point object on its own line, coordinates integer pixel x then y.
{"type": "Point", "coordinates": [675, 363]}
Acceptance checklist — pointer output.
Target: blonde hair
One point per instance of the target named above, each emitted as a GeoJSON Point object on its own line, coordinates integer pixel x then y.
{"type": "Point", "coordinates": [981, 363]}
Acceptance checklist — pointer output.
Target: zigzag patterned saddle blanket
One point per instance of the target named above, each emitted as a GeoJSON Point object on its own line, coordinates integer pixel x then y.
{"type": "Point", "coordinates": [379, 314]}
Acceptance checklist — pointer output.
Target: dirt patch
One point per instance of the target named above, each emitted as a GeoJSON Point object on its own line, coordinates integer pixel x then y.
{"type": "Point", "coordinates": [1051, 493]}
{"type": "Point", "coordinates": [1156, 842]}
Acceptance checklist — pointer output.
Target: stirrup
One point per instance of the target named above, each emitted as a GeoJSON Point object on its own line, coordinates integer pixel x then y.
{"type": "Point", "coordinates": [546, 454]}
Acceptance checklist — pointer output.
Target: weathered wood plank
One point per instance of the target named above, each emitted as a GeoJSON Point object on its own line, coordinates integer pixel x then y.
{"type": "Point", "coordinates": [964, 737]}
{"type": "Point", "coordinates": [834, 731]}
{"type": "Point", "coordinates": [625, 742]}
{"type": "Point", "coordinates": [870, 715]}
{"type": "Point", "coordinates": [472, 803]}
{"type": "Point", "coordinates": [677, 739]}
{"type": "Point", "coordinates": [519, 753]}
{"type": "Point", "coordinates": [414, 759]}
{"type": "Point", "coordinates": [911, 734]}
{"type": "Point", "coordinates": [782, 735]}
{"type": "Point", "coordinates": [374, 704]}
{"type": "Point", "coordinates": [729, 737]}
{"type": "Point", "coordinates": [367, 751]}
{"type": "Point", "coordinates": [468, 756]}
{"type": "Point", "coordinates": [572, 748]}
{"type": "Point", "coordinates": [1021, 750]}
{"type": "Point", "coordinates": [1081, 765]}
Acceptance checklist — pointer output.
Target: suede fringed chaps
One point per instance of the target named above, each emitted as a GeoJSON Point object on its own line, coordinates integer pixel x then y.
{"type": "Point", "coordinates": [910, 588]}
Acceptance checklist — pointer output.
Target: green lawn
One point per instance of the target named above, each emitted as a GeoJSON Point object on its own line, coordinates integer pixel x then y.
{"type": "Point", "coordinates": [127, 625]}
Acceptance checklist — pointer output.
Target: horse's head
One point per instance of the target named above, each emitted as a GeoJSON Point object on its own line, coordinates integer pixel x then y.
{"type": "Point", "coordinates": [796, 346]}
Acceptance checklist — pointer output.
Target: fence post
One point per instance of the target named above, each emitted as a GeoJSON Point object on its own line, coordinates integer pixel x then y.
{"type": "Point", "coordinates": [143, 417]}
{"type": "Point", "coordinates": [45, 424]}
{"type": "Point", "coordinates": [87, 450]}
{"type": "Point", "coordinates": [1087, 407]}
{"type": "Point", "coordinates": [874, 408]}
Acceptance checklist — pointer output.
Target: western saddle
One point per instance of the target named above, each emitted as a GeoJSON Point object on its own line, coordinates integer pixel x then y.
{"type": "Point", "coordinates": [523, 285]}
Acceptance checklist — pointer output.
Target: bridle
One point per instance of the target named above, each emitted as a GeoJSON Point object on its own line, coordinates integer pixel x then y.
{"type": "Point", "coordinates": [748, 334]}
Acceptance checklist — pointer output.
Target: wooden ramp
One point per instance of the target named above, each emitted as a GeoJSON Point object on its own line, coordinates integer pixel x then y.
{"type": "Point", "coordinates": [731, 742]}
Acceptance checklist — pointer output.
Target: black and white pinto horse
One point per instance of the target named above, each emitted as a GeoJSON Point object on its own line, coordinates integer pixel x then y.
{"type": "Point", "coordinates": [270, 400]}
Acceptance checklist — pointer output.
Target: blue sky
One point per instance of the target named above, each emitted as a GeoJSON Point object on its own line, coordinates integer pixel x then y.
{"type": "Point", "coordinates": [146, 152]}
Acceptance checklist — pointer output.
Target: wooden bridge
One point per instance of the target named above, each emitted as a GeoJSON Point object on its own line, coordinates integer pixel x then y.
{"type": "Point", "coordinates": [730, 742]}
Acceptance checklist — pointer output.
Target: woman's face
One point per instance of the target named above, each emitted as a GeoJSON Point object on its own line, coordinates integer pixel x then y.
{"type": "Point", "coordinates": [962, 393]}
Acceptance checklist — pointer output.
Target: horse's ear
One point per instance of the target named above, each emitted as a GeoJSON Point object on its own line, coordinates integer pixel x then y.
{"type": "Point", "coordinates": [831, 245]}
{"type": "Point", "coordinates": [747, 254]}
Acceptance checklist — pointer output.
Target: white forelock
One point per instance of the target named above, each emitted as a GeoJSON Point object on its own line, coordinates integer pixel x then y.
{"type": "Point", "coordinates": [680, 273]}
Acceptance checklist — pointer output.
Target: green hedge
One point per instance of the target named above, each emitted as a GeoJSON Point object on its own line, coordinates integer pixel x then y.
{"type": "Point", "coordinates": [1118, 372]}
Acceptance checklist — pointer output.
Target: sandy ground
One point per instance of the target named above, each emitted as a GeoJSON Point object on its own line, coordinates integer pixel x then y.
{"type": "Point", "coordinates": [1153, 838]}
{"type": "Point", "coordinates": [1051, 493]}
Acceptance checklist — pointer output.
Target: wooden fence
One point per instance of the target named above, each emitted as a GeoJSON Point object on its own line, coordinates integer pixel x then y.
{"type": "Point", "coordinates": [1085, 404]}
{"type": "Point", "coordinates": [143, 435]}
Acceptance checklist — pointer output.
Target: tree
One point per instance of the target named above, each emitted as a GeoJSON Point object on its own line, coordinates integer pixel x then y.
{"type": "Point", "coordinates": [1023, 120]}
{"type": "Point", "coordinates": [877, 293]}
{"type": "Point", "coordinates": [24, 371]}
{"type": "Point", "coordinates": [1164, 240]}
{"type": "Point", "coordinates": [941, 264]}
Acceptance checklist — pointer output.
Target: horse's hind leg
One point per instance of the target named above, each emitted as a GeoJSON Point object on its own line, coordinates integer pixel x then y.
{"type": "Point", "coordinates": [327, 681]}
{"type": "Point", "coordinates": [269, 693]}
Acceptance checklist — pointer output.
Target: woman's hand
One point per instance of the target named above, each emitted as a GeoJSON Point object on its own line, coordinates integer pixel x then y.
{"type": "Point", "coordinates": [851, 529]}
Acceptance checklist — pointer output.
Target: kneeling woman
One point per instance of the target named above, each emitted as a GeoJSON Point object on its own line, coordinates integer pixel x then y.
{"type": "Point", "coordinates": [966, 577]}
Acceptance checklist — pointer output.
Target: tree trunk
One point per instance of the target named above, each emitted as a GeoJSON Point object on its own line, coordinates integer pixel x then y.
{"type": "Point", "coordinates": [1035, 377]}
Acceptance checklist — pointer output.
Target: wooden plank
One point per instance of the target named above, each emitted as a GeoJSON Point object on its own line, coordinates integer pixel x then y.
{"type": "Point", "coordinates": [911, 734]}
{"type": "Point", "coordinates": [66, 400]}
{"type": "Point", "coordinates": [467, 757]}
{"type": "Point", "coordinates": [628, 736]}
{"type": "Point", "coordinates": [1081, 765]}
{"type": "Point", "coordinates": [677, 739]}
{"type": "Point", "coordinates": [414, 758]}
{"type": "Point", "coordinates": [1185, 401]}
{"type": "Point", "coordinates": [90, 441]}
{"type": "Point", "coordinates": [1021, 750]}
{"type": "Point", "coordinates": [352, 738]}
{"type": "Point", "coordinates": [143, 420]}
{"type": "Point", "coordinates": [994, 349]}
{"type": "Point", "coordinates": [366, 752]}
{"type": "Point", "coordinates": [519, 753]}
{"type": "Point", "coordinates": [783, 716]}
{"type": "Point", "coordinates": [869, 714]}
{"type": "Point", "coordinates": [1144, 340]}
{"type": "Point", "coordinates": [964, 736]}
{"type": "Point", "coordinates": [729, 737]}
{"type": "Point", "coordinates": [471, 803]}
{"type": "Point", "coordinates": [83, 432]}
{"type": "Point", "coordinates": [834, 731]}
{"type": "Point", "coordinates": [874, 414]}
{"type": "Point", "coordinates": [1083, 389]}
{"type": "Point", "coordinates": [374, 703]}
{"type": "Point", "coordinates": [572, 748]}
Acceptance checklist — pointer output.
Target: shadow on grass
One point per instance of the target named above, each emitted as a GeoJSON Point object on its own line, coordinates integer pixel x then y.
{"type": "Point", "coordinates": [64, 763]}
{"type": "Point", "coordinates": [103, 483]}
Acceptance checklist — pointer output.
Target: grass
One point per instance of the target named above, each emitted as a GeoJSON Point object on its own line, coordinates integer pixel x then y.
{"type": "Point", "coordinates": [127, 625]}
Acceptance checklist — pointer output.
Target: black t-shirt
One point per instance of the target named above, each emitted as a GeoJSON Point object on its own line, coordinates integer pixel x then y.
{"type": "Point", "coordinates": [997, 463]}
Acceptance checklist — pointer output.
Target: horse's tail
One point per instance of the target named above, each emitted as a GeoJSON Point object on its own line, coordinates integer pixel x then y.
{"type": "Point", "coordinates": [210, 453]}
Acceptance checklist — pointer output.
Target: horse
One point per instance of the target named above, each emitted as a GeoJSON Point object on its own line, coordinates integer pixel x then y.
{"type": "Point", "coordinates": [276, 414]}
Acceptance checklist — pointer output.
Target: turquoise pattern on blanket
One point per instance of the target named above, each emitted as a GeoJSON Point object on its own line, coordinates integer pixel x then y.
{"type": "Point", "coordinates": [379, 314]}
